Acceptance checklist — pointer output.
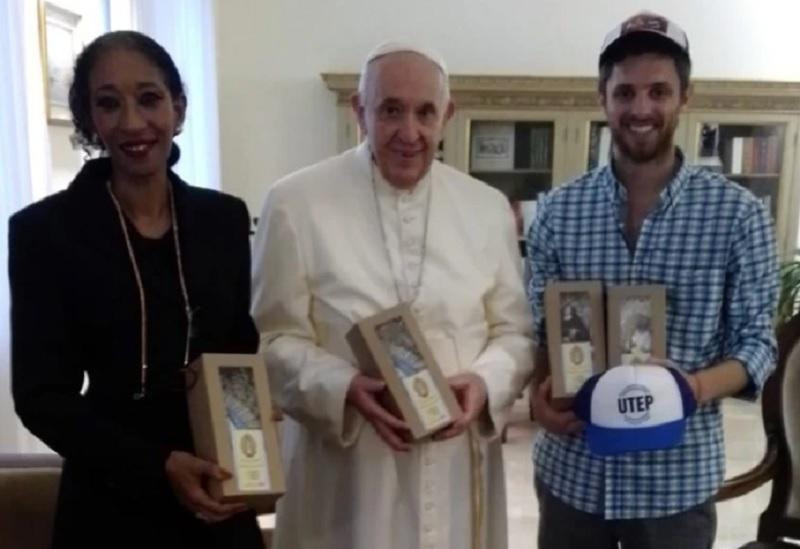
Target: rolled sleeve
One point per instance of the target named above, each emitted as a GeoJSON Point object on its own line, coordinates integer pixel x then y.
{"type": "Point", "coordinates": [752, 293]}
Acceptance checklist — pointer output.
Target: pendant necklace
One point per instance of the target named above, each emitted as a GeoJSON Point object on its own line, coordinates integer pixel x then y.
{"type": "Point", "coordinates": [413, 290]}
{"type": "Point", "coordinates": [140, 394]}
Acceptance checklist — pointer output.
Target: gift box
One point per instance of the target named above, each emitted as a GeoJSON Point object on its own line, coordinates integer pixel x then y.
{"type": "Point", "coordinates": [231, 416]}
{"type": "Point", "coordinates": [390, 345]}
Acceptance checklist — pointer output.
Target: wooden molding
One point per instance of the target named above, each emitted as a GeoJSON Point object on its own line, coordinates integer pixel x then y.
{"type": "Point", "coordinates": [538, 93]}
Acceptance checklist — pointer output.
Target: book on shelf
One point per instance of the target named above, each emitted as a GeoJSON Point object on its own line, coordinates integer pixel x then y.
{"type": "Point", "coordinates": [754, 155]}
{"type": "Point", "coordinates": [767, 201]}
{"type": "Point", "coordinates": [528, 211]}
{"type": "Point", "coordinates": [492, 146]}
{"type": "Point", "coordinates": [540, 148]}
{"type": "Point", "coordinates": [736, 154]}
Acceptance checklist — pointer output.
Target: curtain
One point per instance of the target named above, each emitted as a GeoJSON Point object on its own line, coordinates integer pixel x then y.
{"type": "Point", "coordinates": [23, 173]}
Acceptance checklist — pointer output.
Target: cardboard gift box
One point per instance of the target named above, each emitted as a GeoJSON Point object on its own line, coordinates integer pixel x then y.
{"type": "Point", "coordinates": [230, 412]}
{"type": "Point", "coordinates": [392, 346]}
{"type": "Point", "coordinates": [574, 316]}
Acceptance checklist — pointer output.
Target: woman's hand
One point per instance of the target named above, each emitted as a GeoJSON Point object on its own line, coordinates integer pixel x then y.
{"type": "Point", "coordinates": [186, 474]}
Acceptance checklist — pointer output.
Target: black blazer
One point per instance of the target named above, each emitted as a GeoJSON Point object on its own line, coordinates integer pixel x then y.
{"type": "Point", "coordinates": [75, 309]}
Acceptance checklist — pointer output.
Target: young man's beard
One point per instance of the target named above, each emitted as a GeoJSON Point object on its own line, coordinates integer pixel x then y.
{"type": "Point", "coordinates": [662, 146]}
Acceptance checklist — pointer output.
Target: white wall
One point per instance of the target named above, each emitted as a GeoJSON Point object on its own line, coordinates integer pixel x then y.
{"type": "Point", "coordinates": [276, 114]}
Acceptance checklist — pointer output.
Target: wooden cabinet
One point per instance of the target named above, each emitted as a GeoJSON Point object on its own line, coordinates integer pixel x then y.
{"type": "Point", "coordinates": [524, 135]}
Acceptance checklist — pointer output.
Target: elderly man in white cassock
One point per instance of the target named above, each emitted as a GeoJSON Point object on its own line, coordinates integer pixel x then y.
{"type": "Point", "coordinates": [347, 238]}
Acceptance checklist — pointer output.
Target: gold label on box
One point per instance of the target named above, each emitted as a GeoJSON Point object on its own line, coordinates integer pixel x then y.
{"type": "Point", "coordinates": [249, 460]}
{"type": "Point", "coordinates": [576, 361]}
{"type": "Point", "coordinates": [244, 423]}
{"type": "Point", "coordinates": [427, 400]}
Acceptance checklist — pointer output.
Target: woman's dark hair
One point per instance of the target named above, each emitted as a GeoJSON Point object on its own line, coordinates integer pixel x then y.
{"type": "Point", "coordinates": [79, 93]}
{"type": "Point", "coordinates": [640, 44]}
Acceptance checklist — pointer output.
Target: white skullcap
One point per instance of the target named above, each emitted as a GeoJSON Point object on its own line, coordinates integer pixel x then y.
{"type": "Point", "coordinates": [396, 47]}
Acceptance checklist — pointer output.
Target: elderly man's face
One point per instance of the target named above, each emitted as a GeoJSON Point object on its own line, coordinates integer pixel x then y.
{"type": "Point", "coordinates": [403, 114]}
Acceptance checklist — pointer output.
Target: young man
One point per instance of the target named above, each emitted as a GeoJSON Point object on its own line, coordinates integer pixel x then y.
{"type": "Point", "coordinates": [650, 218]}
{"type": "Point", "coordinates": [356, 234]}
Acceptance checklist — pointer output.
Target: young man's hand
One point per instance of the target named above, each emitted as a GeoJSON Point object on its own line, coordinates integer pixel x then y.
{"type": "Point", "coordinates": [554, 421]}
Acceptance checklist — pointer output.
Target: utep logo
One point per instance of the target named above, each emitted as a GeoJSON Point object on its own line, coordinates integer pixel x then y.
{"type": "Point", "coordinates": [634, 403]}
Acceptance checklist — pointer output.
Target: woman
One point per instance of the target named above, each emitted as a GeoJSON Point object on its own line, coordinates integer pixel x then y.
{"type": "Point", "coordinates": [127, 276]}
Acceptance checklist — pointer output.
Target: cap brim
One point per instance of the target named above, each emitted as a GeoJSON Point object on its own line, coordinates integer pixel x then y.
{"type": "Point", "coordinates": [605, 441]}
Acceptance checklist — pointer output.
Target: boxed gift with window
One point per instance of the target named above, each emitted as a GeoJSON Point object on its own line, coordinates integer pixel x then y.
{"type": "Point", "coordinates": [231, 416]}
{"type": "Point", "coordinates": [391, 345]}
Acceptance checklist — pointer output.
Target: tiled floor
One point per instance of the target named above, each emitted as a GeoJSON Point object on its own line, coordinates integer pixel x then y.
{"type": "Point", "coordinates": [737, 519]}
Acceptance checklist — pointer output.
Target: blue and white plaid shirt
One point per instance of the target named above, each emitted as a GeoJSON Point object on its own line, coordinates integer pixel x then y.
{"type": "Point", "coordinates": [711, 243]}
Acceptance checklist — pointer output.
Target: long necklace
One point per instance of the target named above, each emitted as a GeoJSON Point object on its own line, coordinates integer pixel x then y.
{"type": "Point", "coordinates": [142, 304]}
{"type": "Point", "coordinates": [413, 291]}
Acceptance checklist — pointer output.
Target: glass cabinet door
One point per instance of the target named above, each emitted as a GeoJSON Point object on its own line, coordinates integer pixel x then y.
{"type": "Point", "coordinates": [515, 157]}
{"type": "Point", "coordinates": [755, 151]}
{"type": "Point", "coordinates": [749, 154]}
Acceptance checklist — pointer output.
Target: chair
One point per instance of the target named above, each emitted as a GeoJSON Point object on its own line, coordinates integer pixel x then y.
{"type": "Point", "coordinates": [780, 408]}
{"type": "Point", "coordinates": [28, 494]}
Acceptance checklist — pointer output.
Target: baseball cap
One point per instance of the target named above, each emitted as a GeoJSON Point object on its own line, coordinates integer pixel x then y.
{"type": "Point", "coordinates": [633, 408]}
{"type": "Point", "coordinates": [645, 24]}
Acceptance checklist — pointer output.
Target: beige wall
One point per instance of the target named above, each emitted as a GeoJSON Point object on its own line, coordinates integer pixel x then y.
{"type": "Point", "coordinates": [277, 116]}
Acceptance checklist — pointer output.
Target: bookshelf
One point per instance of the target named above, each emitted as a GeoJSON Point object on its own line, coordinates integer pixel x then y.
{"type": "Point", "coordinates": [755, 142]}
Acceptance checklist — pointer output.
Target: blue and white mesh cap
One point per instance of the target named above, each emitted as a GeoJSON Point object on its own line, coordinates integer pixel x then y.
{"type": "Point", "coordinates": [634, 408]}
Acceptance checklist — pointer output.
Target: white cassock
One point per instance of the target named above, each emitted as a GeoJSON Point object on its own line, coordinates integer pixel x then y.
{"type": "Point", "coordinates": [321, 263]}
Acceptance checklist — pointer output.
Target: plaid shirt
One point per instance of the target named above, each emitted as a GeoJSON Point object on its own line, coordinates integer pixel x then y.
{"type": "Point", "coordinates": [710, 242]}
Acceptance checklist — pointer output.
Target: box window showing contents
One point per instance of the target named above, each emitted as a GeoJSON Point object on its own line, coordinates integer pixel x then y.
{"type": "Point", "coordinates": [575, 335]}
{"type": "Point", "coordinates": [230, 412]}
{"type": "Point", "coordinates": [636, 324]}
{"type": "Point", "coordinates": [392, 346]}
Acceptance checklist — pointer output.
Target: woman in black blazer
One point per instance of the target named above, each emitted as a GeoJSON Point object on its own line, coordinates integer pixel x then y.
{"type": "Point", "coordinates": [125, 277]}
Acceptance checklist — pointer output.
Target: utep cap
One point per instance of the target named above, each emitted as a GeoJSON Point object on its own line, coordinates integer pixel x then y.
{"type": "Point", "coordinates": [634, 408]}
{"type": "Point", "coordinates": [645, 24]}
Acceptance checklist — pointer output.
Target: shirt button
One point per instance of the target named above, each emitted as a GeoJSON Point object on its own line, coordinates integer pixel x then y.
{"type": "Point", "coordinates": [428, 528]}
{"type": "Point", "coordinates": [428, 506]}
{"type": "Point", "coordinates": [407, 219]}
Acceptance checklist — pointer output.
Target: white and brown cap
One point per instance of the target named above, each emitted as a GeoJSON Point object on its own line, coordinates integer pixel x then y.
{"type": "Point", "coordinates": [644, 24]}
